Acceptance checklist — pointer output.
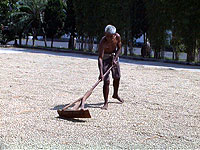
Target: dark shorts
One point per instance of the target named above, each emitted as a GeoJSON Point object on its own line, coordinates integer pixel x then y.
{"type": "Point", "coordinates": [107, 63]}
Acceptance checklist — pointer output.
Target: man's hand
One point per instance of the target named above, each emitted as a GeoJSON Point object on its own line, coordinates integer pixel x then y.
{"type": "Point", "coordinates": [101, 77]}
{"type": "Point", "coordinates": [114, 62]}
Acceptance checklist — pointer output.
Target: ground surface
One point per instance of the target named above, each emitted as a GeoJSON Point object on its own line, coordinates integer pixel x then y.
{"type": "Point", "coordinates": [161, 109]}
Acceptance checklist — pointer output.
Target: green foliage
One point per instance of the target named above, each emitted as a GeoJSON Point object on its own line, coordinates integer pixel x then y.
{"type": "Point", "coordinates": [4, 9]}
{"type": "Point", "coordinates": [159, 23]}
{"type": "Point", "coordinates": [185, 24]}
{"type": "Point", "coordinates": [88, 18]}
{"type": "Point", "coordinates": [139, 24]}
{"type": "Point", "coordinates": [70, 22]}
{"type": "Point", "coordinates": [27, 14]}
{"type": "Point", "coordinates": [54, 17]}
{"type": "Point", "coordinates": [92, 16]}
{"type": "Point", "coordinates": [6, 32]}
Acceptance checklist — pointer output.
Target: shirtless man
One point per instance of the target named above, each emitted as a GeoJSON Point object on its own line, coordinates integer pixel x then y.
{"type": "Point", "coordinates": [109, 51]}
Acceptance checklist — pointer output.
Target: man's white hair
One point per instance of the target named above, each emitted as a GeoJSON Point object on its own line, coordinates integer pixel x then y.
{"type": "Point", "coordinates": [110, 29]}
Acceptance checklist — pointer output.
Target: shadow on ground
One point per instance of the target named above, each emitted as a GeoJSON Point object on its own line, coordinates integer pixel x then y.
{"type": "Point", "coordinates": [96, 105]}
{"type": "Point", "coordinates": [72, 119]}
{"type": "Point", "coordinates": [86, 106]}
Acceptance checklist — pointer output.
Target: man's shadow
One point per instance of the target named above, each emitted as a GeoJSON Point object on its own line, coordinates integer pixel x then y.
{"type": "Point", "coordinates": [72, 119]}
{"type": "Point", "coordinates": [96, 105]}
{"type": "Point", "coordinates": [99, 105]}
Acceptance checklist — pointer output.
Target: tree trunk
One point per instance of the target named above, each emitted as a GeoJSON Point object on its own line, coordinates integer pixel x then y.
{"type": "Point", "coordinates": [33, 41]}
{"type": "Point", "coordinates": [176, 55]}
{"type": "Point", "coordinates": [27, 39]}
{"type": "Point", "coordinates": [45, 40]}
{"type": "Point", "coordinates": [82, 42]}
{"type": "Point", "coordinates": [196, 51]}
{"type": "Point", "coordinates": [143, 50]}
{"type": "Point", "coordinates": [162, 52]}
{"type": "Point", "coordinates": [90, 44]}
{"type": "Point", "coordinates": [157, 53]}
{"type": "Point", "coordinates": [85, 43]}
{"type": "Point", "coordinates": [15, 42]}
{"type": "Point", "coordinates": [97, 50]}
{"type": "Point", "coordinates": [190, 48]}
{"type": "Point", "coordinates": [20, 39]}
{"type": "Point", "coordinates": [44, 37]}
{"type": "Point", "coordinates": [72, 43]}
{"type": "Point", "coordinates": [131, 48]}
{"type": "Point", "coordinates": [34, 35]}
{"type": "Point", "coordinates": [79, 42]}
{"type": "Point", "coordinates": [125, 44]}
{"type": "Point", "coordinates": [144, 38]}
{"type": "Point", "coordinates": [125, 50]}
{"type": "Point", "coordinates": [173, 53]}
{"type": "Point", "coordinates": [52, 41]}
{"type": "Point", "coordinates": [198, 55]}
{"type": "Point", "coordinates": [190, 56]}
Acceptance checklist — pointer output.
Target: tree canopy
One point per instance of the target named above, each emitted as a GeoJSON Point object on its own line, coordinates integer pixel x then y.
{"type": "Point", "coordinates": [87, 19]}
{"type": "Point", "coordinates": [54, 17]}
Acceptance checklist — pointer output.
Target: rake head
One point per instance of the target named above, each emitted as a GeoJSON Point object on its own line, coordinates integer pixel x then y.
{"type": "Point", "coordinates": [74, 113]}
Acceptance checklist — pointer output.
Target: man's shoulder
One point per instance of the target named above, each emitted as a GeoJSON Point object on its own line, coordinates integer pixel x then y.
{"type": "Point", "coordinates": [103, 39]}
{"type": "Point", "coordinates": [118, 36]}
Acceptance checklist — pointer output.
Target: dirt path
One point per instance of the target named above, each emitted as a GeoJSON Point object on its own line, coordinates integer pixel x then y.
{"type": "Point", "coordinates": [161, 109]}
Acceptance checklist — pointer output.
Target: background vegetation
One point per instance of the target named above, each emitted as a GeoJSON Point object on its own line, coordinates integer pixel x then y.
{"type": "Point", "coordinates": [86, 20]}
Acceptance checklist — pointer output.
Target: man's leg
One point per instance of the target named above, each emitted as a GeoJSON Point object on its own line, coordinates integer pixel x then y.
{"type": "Point", "coordinates": [116, 79]}
{"type": "Point", "coordinates": [106, 66]}
{"type": "Point", "coordinates": [105, 94]}
{"type": "Point", "coordinates": [116, 87]}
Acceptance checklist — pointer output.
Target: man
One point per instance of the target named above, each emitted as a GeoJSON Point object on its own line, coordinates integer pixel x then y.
{"type": "Point", "coordinates": [109, 51]}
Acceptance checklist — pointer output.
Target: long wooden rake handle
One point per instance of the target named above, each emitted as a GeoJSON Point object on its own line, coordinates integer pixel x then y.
{"type": "Point", "coordinates": [72, 103]}
{"type": "Point", "coordinates": [87, 94]}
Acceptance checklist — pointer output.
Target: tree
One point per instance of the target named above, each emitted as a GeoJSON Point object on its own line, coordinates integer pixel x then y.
{"type": "Point", "coordinates": [54, 17]}
{"type": "Point", "coordinates": [6, 33]}
{"type": "Point", "coordinates": [185, 22]}
{"type": "Point", "coordinates": [27, 16]}
{"type": "Point", "coordinates": [70, 22]}
{"type": "Point", "coordinates": [124, 21]}
{"type": "Point", "coordinates": [4, 9]}
{"type": "Point", "coordinates": [159, 23]}
{"type": "Point", "coordinates": [93, 16]}
{"type": "Point", "coordinates": [88, 20]}
{"type": "Point", "coordinates": [139, 20]}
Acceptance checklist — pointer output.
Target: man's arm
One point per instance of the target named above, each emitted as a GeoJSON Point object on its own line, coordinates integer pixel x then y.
{"type": "Point", "coordinates": [100, 59]}
{"type": "Point", "coordinates": [119, 47]}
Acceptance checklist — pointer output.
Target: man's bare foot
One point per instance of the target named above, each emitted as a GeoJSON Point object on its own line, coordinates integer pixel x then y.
{"type": "Point", "coordinates": [118, 98]}
{"type": "Point", "coordinates": [105, 106]}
